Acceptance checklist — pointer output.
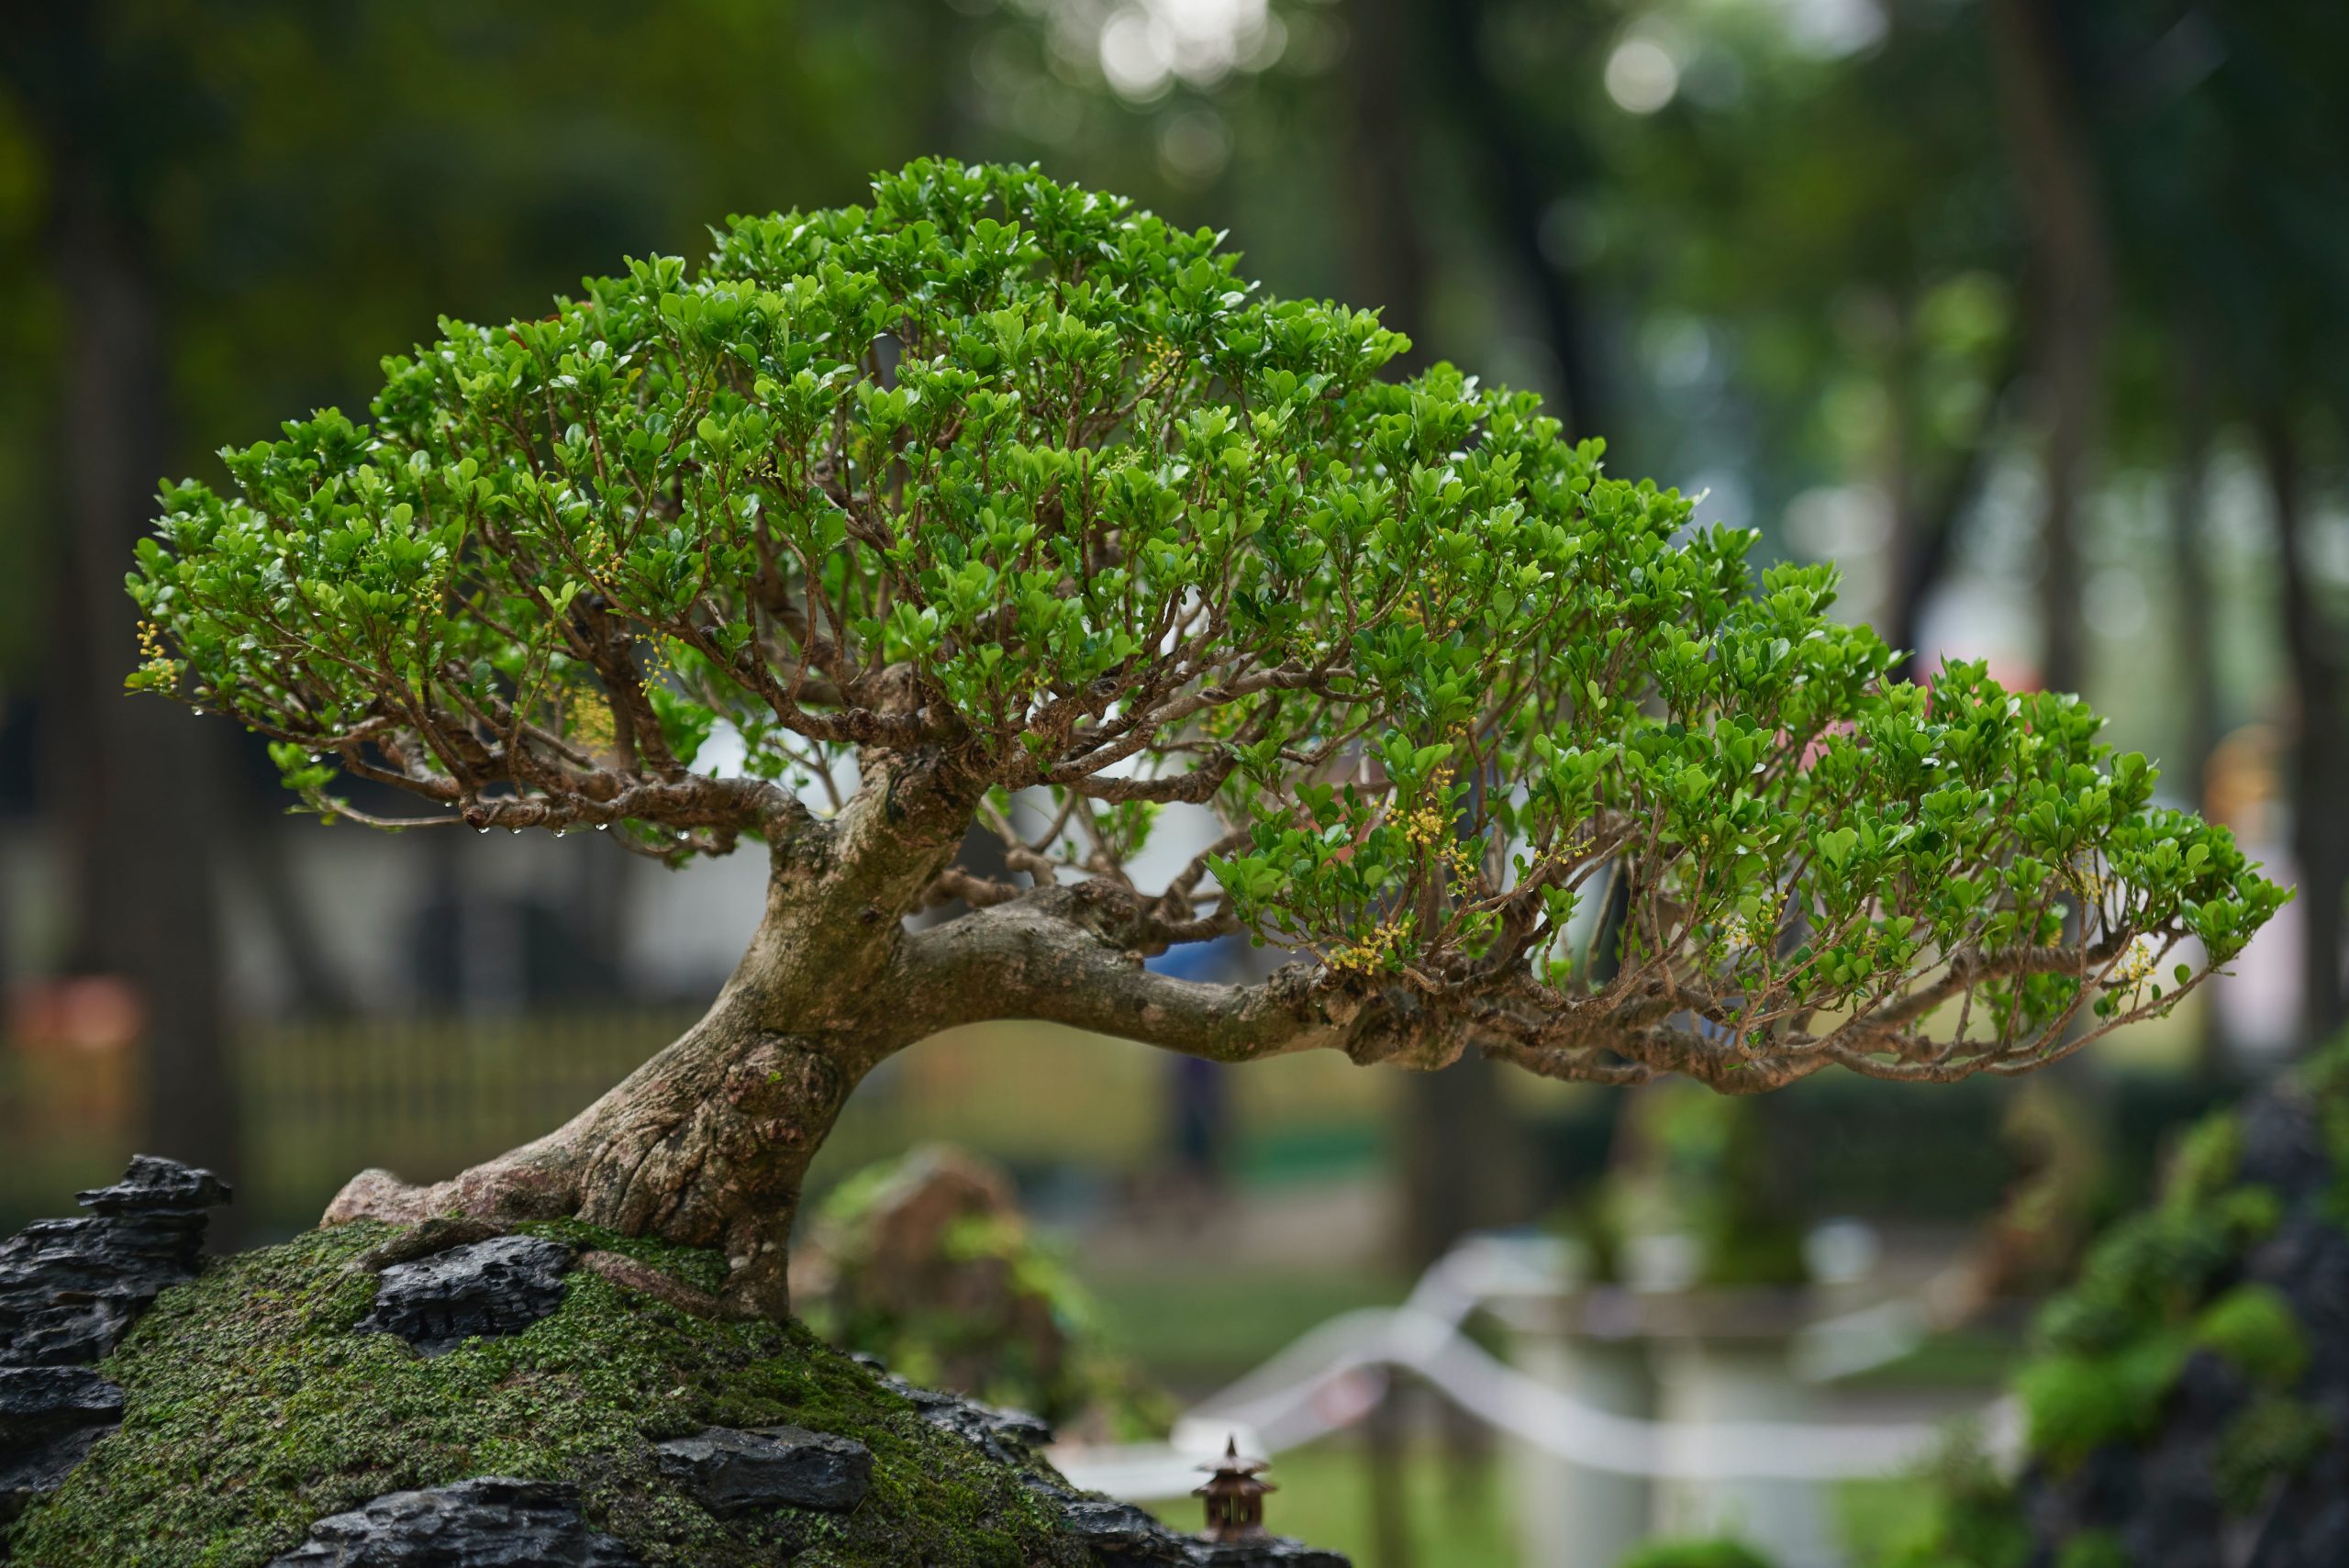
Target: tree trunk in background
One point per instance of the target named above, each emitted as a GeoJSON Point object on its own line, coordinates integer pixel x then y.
{"type": "Point", "coordinates": [1390, 260]}
{"type": "Point", "coordinates": [1461, 1150]}
{"type": "Point", "coordinates": [599, 920]}
{"type": "Point", "coordinates": [2191, 624]}
{"type": "Point", "coordinates": [150, 782]}
{"type": "Point", "coordinates": [2321, 743]}
{"type": "Point", "coordinates": [1926, 537]}
{"type": "Point", "coordinates": [2070, 286]}
{"type": "Point", "coordinates": [1517, 196]}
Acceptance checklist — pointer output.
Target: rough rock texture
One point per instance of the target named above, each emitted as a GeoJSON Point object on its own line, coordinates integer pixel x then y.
{"type": "Point", "coordinates": [48, 1417]}
{"type": "Point", "coordinates": [1008, 1437]}
{"type": "Point", "coordinates": [499, 1286]}
{"type": "Point", "coordinates": [1280, 1551]}
{"type": "Point", "coordinates": [41, 1401]}
{"type": "Point", "coordinates": [259, 1366]}
{"type": "Point", "coordinates": [1118, 1535]}
{"type": "Point", "coordinates": [732, 1472]}
{"type": "Point", "coordinates": [2246, 1466]}
{"type": "Point", "coordinates": [1123, 1536]}
{"type": "Point", "coordinates": [152, 1185]}
{"type": "Point", "coordinates": [70, 1289]}
{"type": "Point", "coordinates": [262, 1424]}
{"type": "Point", "coordinates": [487, 1522]}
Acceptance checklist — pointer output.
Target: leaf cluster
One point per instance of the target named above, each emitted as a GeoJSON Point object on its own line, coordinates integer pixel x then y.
{"type": "Point", "coordinates": [1007, 472]}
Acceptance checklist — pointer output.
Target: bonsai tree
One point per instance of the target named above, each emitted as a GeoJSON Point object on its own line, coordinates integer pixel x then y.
{"type": "Point", "coordinates": [1002, 503]}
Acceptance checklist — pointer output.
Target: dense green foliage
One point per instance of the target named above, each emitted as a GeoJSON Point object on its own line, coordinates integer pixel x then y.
{"type": "Point", "coordinates": [254, 1407]}
{"type": "Point", "coordinates": [1007, 467]}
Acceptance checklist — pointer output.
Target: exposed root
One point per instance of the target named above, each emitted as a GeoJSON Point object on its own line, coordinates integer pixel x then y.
{"type": "Point", "coordinates": [423, 1241]}
{"type": "Point", "coordinates": [538, 1181]}
{"type": "Point", "coordinates": [625, 1270]}
{"type": "Point", "coordinates": [376, 1194]}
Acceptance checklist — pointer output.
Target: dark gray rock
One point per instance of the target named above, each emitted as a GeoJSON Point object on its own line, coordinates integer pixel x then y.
{"type": "Point", "coordinates": [731, 1471]}
{"type": "Point", "coordinates": [38, 1400]}
{"type": "Point", "coordinates": [1280, 1551]}
{"type": "Point", "coordinates": [1122, 1536]}
{"type": "Point", "coordinates": [2283, 1146]}
{"type": "Point", "coordinates": [50, 1417]}
{"type": "Point", "coordinates": [488, 1522]}
{"type": "Point", "coordinates": [1119, 1534]}
{"type": "Point", "coordinates": [156, 1186]}
{"type": "Point", "coordinates": [499, 1286]}
{"type": "Point", "coordinates": [1006, 1436]}
{"type": "Point", "coordinates": [70, 1289]}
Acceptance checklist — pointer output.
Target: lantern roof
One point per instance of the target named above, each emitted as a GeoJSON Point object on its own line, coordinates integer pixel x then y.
{"type": "Point", "coordinates": [1235, 1472]}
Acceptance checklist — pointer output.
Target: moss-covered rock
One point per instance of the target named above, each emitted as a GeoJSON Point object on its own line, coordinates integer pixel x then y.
{"type": "Point", "coordinates": [254, 1405]}
{"type": "Point", "coordinates": [2187, 1402]}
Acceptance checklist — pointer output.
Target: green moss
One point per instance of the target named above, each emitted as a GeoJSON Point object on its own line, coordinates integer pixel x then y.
{"type": "Point", "coordinates": [2154, 1286]}
{"type": "Point", "coordinates": [2274, 1437]}
{"type": "Point", "coordinates": [1974, 1521]}
{"type": "Point", "coordinates": [2151, 1269]}
{"type": "Point", "coordinates": [2157, 1286]}
{"type": "Point", "coordinates": [700, 1267]}
{"type": "Point", "coordinates": [2077, 1403]}
{"type": "Point", "coordinates": [2254, 1327]}
{"type": "Point", "coordinates": [1714, 1553]}
{"type": "Point", "coordinates": [2092, 1549]}
{"type": "Point", "coordinates": [254, 1407]}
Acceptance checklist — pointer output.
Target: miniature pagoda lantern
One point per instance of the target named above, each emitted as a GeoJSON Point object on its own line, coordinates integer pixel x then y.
{"type": "Point", "coordinates": [1235, 1497]}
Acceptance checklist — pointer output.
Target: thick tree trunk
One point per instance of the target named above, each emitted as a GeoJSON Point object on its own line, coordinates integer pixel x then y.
{"type": "Point", "coordinates": [146, 781]}
{"type": "Point", "coordinates": [2319, 749]}
{"type": "Point", "coordinates": [706, 1144]}
{"type": "Point", "coordinates": [2070, 277]}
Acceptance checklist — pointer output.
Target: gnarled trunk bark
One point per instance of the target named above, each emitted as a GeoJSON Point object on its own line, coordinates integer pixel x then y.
{"type": "Point", "coordinates": [707, 1144]}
